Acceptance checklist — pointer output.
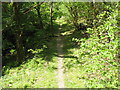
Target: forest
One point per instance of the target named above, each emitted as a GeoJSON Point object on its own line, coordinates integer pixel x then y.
{"type": "Point", "coordinates": [60, 45]}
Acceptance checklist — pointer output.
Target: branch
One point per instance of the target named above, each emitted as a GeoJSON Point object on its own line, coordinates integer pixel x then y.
{"type": "Point", "coordinates": [28, 10]}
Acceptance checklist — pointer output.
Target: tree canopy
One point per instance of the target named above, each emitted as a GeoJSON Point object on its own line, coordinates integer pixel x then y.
{"type": "Point", "coordinates": [89, 32]}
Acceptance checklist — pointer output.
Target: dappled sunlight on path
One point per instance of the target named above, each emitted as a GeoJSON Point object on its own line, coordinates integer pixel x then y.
{"type": "Point", "coordinates": [60, 61]}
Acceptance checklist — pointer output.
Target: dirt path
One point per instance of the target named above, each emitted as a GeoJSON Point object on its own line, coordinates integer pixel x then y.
{"type": "Point", "coordinates": [60, 60]}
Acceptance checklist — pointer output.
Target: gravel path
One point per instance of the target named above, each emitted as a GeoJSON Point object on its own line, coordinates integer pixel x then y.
{"type": "Point", "coordinates": [60, 60]}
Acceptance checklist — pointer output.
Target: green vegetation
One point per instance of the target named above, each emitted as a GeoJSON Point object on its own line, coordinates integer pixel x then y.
{"type": "Point", "coordinates": [90, 35]}
{"type": "Point", "coordinates": [30, 75]}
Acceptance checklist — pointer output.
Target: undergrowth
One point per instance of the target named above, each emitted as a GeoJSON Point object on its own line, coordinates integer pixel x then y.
{"type": "Point", "coordinates": [36, 73]}
{"type": "Point", "coordinates": [97, 62]}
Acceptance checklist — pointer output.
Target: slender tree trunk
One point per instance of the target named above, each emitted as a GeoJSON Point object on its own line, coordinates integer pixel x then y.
{"type": "Point", "coordinates": [18, 32]}
{"type": "Point", "coordinates": [74, 16]}
{"type": "Point", "coordinates": [51, 21]}
{"type": "Point", "coordinates": [39, 17]}
{"type": "Point", "coordinates": [93, 13]}
{"type": "Point", "coordinates": [19, 46]}
{"type": "Point", "coordinates": [94, 21]}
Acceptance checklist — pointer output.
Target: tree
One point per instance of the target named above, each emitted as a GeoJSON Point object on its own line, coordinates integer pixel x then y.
{"type": "Point", "coordinates": [39, 16]}
{"type": "Point", "coordinates": [19, 33]}
{"type": "Point", "coordinates": [51, 17]}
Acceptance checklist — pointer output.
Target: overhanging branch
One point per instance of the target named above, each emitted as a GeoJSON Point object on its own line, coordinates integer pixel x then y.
{"type": "Point", "coordinates": [28, 10]}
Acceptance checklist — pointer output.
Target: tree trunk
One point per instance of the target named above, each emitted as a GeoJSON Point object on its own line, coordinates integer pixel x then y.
{"type": "Point", "coordinates": [51, 22]}
{"type": "Point", "coordinates": [74, 15]}
{"type": "Point", "coordinates": [39, 16]}
{"type": "Point", "coordinates": [19, 46]}
{"type": "Point", "coordinates": [18, 32]}
{"type": "Point", "coordinates": [94, 23]}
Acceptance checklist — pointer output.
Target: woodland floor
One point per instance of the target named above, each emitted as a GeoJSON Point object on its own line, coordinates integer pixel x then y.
{"type": "Point", "coordinates": [55, 71]}
{"type": "Point", "coordinates": [54, 67]}
{"type": "Point", "coordinates": [60, 60]}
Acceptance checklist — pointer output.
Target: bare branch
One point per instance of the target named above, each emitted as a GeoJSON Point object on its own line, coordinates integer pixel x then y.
{"type": "Point", "coordinates": [28, 10]}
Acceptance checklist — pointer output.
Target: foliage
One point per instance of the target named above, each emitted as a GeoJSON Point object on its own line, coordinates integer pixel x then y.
{"type": "Point", "coordinates": [32, 74]}
{"type": "Point", "coordinates": [90, 34]}
{"type": "Point", "coordinates": [99, 53]}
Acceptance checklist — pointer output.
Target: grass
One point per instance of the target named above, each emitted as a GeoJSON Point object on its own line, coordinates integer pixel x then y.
{"type": "Point", "coordinates": [38, 72]}
{"type": "Point", "coordinates": [30, 75]}
{"type": "Point", "coordinates": [72, 78]}
{"type": "Point", "coordinates": [82, 69]}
